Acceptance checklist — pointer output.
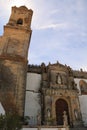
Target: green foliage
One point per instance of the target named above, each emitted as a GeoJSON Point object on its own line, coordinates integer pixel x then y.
{"type": "Point", "coordinates": [2, 122]}
{"type": "Point", "coordinates": [10, 122]}
{"type": "Point", "coordinates": [26, 120]}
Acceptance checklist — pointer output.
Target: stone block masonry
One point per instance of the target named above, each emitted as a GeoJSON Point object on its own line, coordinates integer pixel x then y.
{"type": "Point", "coordinates": [14, 45]}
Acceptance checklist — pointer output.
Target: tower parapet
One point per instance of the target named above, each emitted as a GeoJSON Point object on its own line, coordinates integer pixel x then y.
{"type": "Point", "coordinates": [20, 16]}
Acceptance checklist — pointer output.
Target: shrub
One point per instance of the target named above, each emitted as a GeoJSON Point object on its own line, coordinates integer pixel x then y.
{"type": "Point", "coordinates": [10, 122]}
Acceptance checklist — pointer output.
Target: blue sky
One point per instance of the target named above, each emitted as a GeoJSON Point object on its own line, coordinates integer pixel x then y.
{"type": "Point", "coordinates": [59, 30]}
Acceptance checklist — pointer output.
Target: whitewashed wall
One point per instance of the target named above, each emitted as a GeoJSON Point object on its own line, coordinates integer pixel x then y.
{"type": "Point", "coordinates": [83, 102]}
{"type": "Point", "coordinates": [32, 105]}
{"type": "Point", "coordinates": [83, 105]}
{"type": "Point", "coordinates": [2, 111]}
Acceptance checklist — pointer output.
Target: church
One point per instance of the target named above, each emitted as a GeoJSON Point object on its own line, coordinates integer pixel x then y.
{"type": "Point", "coordinates": [53, 89]}
{"type": "Point", "coordinates": [45, 93]}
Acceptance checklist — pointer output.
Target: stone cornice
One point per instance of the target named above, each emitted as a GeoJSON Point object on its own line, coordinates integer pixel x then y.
{"type": "Point", "coordinates": [13, 58]}
{"type": "Point", "coordinates": [18, 27]}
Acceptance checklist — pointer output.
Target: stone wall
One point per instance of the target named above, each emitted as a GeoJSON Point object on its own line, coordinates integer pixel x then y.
{"type": "Point", "coordinates": [13, 78]}
{"type": "Point", "coordinates": [14, 46]}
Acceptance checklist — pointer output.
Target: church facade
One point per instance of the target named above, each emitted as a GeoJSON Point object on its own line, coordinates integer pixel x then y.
{"type": "Point", "coordinates": [53, 89]}
{"type": "Point", "coordinates": [44, 93]}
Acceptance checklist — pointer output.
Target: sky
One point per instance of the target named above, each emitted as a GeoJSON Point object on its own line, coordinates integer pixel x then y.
{"type": "Point", "coordinates": [59, 30]}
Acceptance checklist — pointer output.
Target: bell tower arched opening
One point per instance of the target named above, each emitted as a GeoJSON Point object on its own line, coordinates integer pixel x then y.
{"type": "Point", "coordinates": [20, 21]}
{"type": "Point", "coordinates": [61, 106]}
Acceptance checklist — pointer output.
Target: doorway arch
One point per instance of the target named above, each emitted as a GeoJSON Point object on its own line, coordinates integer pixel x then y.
{"type": "Point", "coordinates": [61, 106]}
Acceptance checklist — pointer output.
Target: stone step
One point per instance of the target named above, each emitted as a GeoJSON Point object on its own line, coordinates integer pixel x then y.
{"type": "Point", "coordinates": [81, 128]}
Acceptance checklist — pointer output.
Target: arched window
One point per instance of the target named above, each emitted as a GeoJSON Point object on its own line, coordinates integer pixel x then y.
{"type": "Point", "coordinates": [83, 86]}
{"type": "Point", "coordinates": [20, 21]}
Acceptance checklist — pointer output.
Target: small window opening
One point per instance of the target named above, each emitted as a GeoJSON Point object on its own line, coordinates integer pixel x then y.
{"type": "Point", "coordinates": [20, 21]}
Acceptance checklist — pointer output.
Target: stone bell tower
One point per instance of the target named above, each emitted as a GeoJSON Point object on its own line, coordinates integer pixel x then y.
{"type": "Point", "coordinates": [14, 46]}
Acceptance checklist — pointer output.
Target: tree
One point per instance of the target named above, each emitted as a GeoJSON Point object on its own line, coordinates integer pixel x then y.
{"type": "Point", "coordinates": [10, 122]}
{"type": "Point", "coordinates": [2, 121]}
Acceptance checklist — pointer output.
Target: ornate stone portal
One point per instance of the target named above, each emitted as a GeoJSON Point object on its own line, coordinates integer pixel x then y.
{"type": "Point", "coordinates": [59, 94]}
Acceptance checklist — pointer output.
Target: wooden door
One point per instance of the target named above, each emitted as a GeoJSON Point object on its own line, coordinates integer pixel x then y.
{"type": "Point", "coordinates": [61, 106]}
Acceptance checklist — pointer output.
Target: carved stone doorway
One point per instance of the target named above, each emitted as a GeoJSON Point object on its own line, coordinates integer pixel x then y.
{"type": "Point", "coordinates": [61, 106]}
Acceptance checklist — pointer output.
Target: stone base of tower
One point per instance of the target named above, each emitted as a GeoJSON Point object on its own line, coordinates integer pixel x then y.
{"type": "Point", "coordinates": [12, 89]}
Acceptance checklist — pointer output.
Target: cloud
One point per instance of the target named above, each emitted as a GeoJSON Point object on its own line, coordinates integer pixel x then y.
{"type": "Point", "coordinates": [53, 26]}
{"type": "Point", "coordinates": [55, 11]}
{"type": "Point", "coordinates": [59, 30]}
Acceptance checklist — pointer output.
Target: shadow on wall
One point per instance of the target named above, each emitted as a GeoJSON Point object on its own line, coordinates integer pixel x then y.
{"type": "Point", "coordinates": [7, 89]}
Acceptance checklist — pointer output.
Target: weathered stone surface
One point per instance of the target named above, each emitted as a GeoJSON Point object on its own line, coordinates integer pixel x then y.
{"type": "Point", "coordinates": [14, 46]}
